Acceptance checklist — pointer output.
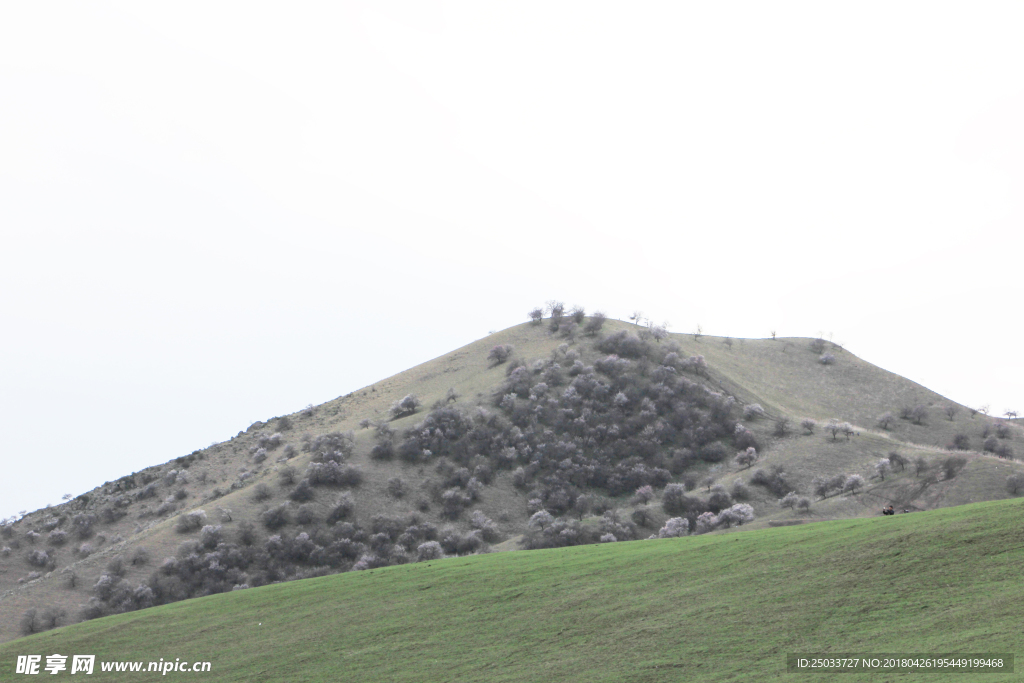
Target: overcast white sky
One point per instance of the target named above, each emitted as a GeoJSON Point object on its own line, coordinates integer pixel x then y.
{"type": "Point", "coordinates": [214, 212]}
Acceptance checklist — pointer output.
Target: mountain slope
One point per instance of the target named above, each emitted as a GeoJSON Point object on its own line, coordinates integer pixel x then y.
{"type": "Point", "coordinates": [783, 376]}
{"type": "Point", "coordinates": [718, 607]}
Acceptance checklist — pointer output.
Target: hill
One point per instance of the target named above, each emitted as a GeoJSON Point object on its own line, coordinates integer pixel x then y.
{"type": "Point", "coordinates": [717, 607]}
{"type": "Point", "coordinates": [378, 485]}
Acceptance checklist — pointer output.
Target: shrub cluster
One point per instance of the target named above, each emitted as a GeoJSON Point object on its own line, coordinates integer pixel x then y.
{"type": "Point", "coordinates": [265, 443]}
{"type": "Point", "coordinates": [396, 487]}
{"type": "Point", "coordinates": [674, 528]}
{"type": "Point", "coordinates": [500, 353]}
{"type": "Point", "coordinates": [545, 531]}
{"type": "Point", "coordinates": [738, 514]}
{"type": "Point", "coordinates": [753, 411]}
{"type": "Point", "coordinates": [774, 480]}
{"type": "Point", "coordinates": [405, 406]}
{"type": "Point", "coordinates": [36, 621]}
{"type": "Point", "coordinates": [823, 487]}
{"type": "Point", "coordinates": [336, 446]}
{"type": "Point", "coordinates": [213, 563]}
{"type": "Point", "coordinates": [617, 425]}
{"type": "Point", "coordinates": [792, 500]}
{"type": "Point", "coordinates": [332, 474]}
{"type": "Point", "coordinates": [191, 521]}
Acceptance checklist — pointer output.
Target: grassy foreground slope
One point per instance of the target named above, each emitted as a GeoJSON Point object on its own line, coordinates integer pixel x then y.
{"type": "Point", "coordinates": [718, 607]}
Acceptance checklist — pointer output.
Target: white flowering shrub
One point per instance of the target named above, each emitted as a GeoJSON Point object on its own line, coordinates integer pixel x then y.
{"type": "Point", "coordinates": [674, 528]}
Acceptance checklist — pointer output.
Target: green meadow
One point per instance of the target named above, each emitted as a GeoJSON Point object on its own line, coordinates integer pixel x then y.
{"type": "Point", "coordinates": [720, 607]}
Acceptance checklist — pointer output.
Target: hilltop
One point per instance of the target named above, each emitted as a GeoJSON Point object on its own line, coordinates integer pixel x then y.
{"type": "Point", "coordinates": [718, 607]}
{"type": "Point", "coordinates": [361, 482]}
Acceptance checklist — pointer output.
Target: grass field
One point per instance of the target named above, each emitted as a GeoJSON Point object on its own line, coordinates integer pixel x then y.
{"type": "Point", "coordinates": [721, 607]}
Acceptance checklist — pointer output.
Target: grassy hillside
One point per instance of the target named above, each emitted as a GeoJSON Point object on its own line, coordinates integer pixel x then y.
{"type": "Point", "coordinates": [719, 607]}
{"type": "Point", "coordinates": [784, 376]}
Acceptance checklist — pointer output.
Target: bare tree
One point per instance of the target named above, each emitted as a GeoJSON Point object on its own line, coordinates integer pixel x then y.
{"type": "Point", "coordinates": [883, 467]}
{"type": "Point", "coordinates": [1010, 414]}
{"type": "Point", "coordinates": [536, 315]}
{"type": "Point", "coordinates": [919, 415]}
{"type": "Point", "coordinates": [1015, 484]}
{"type": "Point", "coordinates": [674, 528]}
{"type": "Point", "coordinates": [808, 425]}
{"type": "Point", "coordinates": [885, 419]}
{"type": "Point", "coordinates": [642, 517]}
{"type": "Point", "coordinates": [853, 483]}
{"type": "Point", "coordinates": [190, 521]}
{"type": "Point", "coordinates": [578, 313]}
{"type": "Point", "coordinates": [431, 550]}
{"type": "Point", "coordinates": [952, 465]}
{"type": "Point", "coordinates": [30, 622]}
{"type": "Point", "coordinates": [738, 514]}
{"type": "Point", "coordinates": [951, 410]}
{"type": "Point", "coordinates": [594, 324]}
{"type": "Point", "coordinates": [583, 505]}
{"type": "Point", "coordinates": [897, 460]}
{"type": "Point", "coordinates": [636, 317]}
{"type": "Point", "coordinates": [287, 475]}
{"type": "Point", "coordinates": [540, 520]}
{"type": "Point", "coordinates": [920, 466]}
{"type": "Point", "coordinates": [706, 522]}
{"type": "Point", "coordinates": [261, 493]}
{"type": "Point", "coordinates": [848, 430]}
{"type": "Point", "coordinates": [746, 459]}
{"type": "Point", "coordinates": [500, 353]}
{"type": "Point", "coordinates": [961, 442]}
{"type": "Point", "coordinates": [698, 333]}
{"type": "Point", "coordinates": [556, 309]}
{"type": "Point", "coordinates": [404, 406]}
{"type": "Point", "coordinates": [753, 411]}
{"type": "Point", "coordinates": [643, 495]}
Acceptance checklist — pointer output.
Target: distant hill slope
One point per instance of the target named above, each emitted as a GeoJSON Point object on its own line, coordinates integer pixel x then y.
{"type": "Point", "coordinates": [143, 510]}
{"type": "Point", "coordinates": [721, 607]}
{"type": "Point", "coordinates": [786, 376]}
